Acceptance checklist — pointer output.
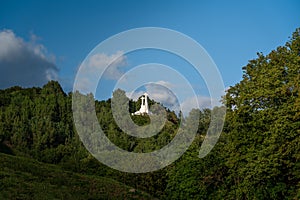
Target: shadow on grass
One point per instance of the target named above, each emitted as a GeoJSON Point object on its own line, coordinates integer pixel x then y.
{"type": "Point", "coordinates": [4, 148]}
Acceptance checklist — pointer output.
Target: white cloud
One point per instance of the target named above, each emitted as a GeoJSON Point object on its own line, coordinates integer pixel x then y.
{"type": "Point", "coordinates": [199, 102]}
{"type": "Point", "coordinates": [110, 64]}
{"type": "Point", "coordinates": [160, 91]}
{"type": "Point", "coordinates": [95, 65]}
{"type": "Point", "coordinates": [165, 84]}
{"type": "Point", "coordinates": [134, 95]}
{"type": "Point", "coordinates": [24, 63]}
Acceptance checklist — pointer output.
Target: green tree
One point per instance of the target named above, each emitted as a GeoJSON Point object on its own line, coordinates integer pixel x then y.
{"type": "Point", "coordinates": [263, 153]}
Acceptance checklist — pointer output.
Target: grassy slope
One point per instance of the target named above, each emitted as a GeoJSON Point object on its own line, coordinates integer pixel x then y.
{"type": "Point", "coordinates": [23, 178]}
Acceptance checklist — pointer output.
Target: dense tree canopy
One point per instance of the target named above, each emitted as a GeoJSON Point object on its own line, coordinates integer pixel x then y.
{"type": "Point", "coordinates": [264, 126]}
{"type": "Point", "coordinates": [256, 157]}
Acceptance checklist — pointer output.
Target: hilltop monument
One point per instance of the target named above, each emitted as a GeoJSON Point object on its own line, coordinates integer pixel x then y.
{"type": "Point", "coordinates": [144, 106]}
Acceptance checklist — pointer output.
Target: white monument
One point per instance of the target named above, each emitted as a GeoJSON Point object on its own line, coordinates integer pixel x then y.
{"type": "Point", "coordinates": [144, 105]}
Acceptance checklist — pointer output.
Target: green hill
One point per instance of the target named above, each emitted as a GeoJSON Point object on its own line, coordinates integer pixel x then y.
{"type": "Point", "coordinates": [257, 155]}
{"type": "Point", "coordinates": [23, 178]}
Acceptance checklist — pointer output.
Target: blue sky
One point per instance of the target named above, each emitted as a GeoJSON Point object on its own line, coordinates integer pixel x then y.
{"type": "Point", "coordinates": [62, 33]}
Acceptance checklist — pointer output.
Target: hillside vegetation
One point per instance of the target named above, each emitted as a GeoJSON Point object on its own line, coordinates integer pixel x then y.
{"type": "Point", "coordinates": [23, 178]}
{"type": "Point", "coordinates": [256, 157]}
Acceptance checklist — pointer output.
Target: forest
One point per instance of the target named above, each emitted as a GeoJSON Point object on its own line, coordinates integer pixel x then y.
{"type": "Point", "coordinates": [256, 157]}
